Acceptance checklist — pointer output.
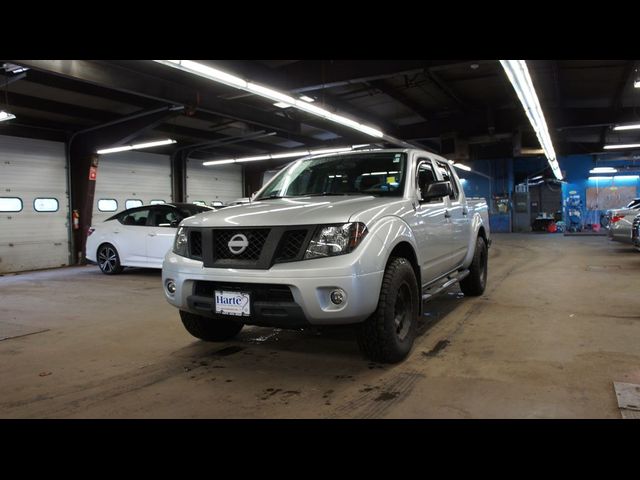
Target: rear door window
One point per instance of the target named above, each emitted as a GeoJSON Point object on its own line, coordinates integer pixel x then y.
{"type": "Point", "coordinates": [137, 218]}
{"type": "Point", "coordinates": [447, 176]}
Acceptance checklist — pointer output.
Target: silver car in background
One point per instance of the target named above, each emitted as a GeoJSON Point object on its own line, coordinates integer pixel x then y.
{"type": "Point", "coordinates": [621, 220]}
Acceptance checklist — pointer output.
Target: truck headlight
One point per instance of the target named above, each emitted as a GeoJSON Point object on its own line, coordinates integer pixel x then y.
{"type": "Point", "coordinates": [180, 242]}
{"type": "Point", "coordinates": [330, 240]}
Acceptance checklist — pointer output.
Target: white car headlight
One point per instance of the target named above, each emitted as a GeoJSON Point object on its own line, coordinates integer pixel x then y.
{"type": "Point", "coordinates": [181, 241]}
{"type": "Point", "coordinates": [330, 240]}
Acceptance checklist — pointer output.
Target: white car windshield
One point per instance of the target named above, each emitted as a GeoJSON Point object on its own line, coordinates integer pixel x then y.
{"type": "Point", "coordinates": [370, 173]}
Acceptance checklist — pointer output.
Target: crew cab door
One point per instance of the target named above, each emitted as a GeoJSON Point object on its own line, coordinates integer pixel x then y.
{"type": "Point", "coordinates": [160, 233]}
{"type": "Point", "coordinates": [458, 214]}
{"type": "Point", "coordinates": [430, 225]}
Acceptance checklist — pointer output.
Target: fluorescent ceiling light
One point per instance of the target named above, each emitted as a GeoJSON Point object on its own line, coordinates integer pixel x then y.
{"type": "Point", "coordinates": [537, 178]}
{"type": "Point", "coordinates": [462, 167]}
{"type": "Point", "coordinates": [307, 99]}
{"type": "Point", "coordinates": [603, 170]}
{"type": "Point", "coordinates": [600, 178]}
{"type": "Point", "coordinates": [253, 159]}
{"type": "Point", "coordinates": [627, 177]}
{"type": "Point", "coordinates": [137, 146]}
{"type": "Point", "coordinates": [627, 127]}
{"type": "Point", "coordinates": [291, 154]}
{"type": "Point", "coordinates": [298, 153]}
{"type": "Point", "coordinates": [628, 145]}
{"type": "Point", "coordinates": [519, 77]}
{"type": "Point", "coordinates": [6, 116]}
{"type": "Point", "coordinates": [283, 99]}
{"type": "Point", "coordinates": [636, 83]}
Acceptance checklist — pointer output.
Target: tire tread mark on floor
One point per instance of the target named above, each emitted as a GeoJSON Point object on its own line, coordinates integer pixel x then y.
{"type": "Point", "coordinates": [366, 406]}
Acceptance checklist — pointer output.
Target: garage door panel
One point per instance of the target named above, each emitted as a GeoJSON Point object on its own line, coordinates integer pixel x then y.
{"type": "Point", "coordinates": [216, 183]}
{"type": "Point", "coordinates": [131, 176]}
{"type": "Point", "coordinates": [30, 169]}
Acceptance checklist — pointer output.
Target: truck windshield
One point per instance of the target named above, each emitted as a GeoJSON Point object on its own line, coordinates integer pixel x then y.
{"type": "Point", "coordinates": [375, 173]}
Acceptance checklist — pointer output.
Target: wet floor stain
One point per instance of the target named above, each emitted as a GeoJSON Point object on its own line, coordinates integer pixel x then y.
{"type": "Point", "coordinates": [441, 345]}
{"type": "Point", "coordinates": [282, 394]}
{"type": "Point", "coordinates": [375, 365]}
{"type": "Point", "coordinates": [225, 352]}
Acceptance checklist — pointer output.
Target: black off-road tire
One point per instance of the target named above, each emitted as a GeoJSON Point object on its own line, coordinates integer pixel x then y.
{"type": "Point", "coordinates": [210, 329]}
{"type": "Point", "coordinates": [108, 259]}
{"type": "Point", "coordinates": [381, 338]}
{"type": "Point", "coordinates": [474, 284]}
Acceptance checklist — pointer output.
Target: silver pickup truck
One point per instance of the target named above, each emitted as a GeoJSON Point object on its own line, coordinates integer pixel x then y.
{"type": "Point", "coordinates": [351, 238]}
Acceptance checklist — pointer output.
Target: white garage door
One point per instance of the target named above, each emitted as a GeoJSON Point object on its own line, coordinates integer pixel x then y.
{"type": "Point", "coordinates": [34, 205]}
{"type": "Point", "coordinates": [130, 179]}
{"type": "Point", "coordinates": [209, 184]}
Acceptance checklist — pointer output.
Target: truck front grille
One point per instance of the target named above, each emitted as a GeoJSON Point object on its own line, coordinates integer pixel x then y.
{"type": "Point", "coordinates": [264, 246]}
{"type": "Point", "coordinates": [195, 244]}
{"type": "Point", "coordinates": [291, 245]}
{"type": "Point", "coordinates": [256, 239]}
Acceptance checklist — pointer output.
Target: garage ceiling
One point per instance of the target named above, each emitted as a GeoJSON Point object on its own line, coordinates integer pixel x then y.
{"type": "Point", "coordinates": [419, 101]}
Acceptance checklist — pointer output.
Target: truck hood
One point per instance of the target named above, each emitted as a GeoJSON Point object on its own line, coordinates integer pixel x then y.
{"type": "Point", "coordinates": [301, 211]}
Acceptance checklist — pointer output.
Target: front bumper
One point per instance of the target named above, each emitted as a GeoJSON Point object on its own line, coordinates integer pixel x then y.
{"type": "Point", "coordinates": [310, 283]}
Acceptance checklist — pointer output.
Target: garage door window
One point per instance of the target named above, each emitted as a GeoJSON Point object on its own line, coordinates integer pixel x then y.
{"type": "Point", "coordinates": [107, 205]}
{"type": "Point", "coordinates": [45, 205]}
{"type": "Point", "coordinates": [132, 203]}
{"type": "Point", "coordinates": [157, 202]}
{"type": "Point", "coordinates": [10, 204]}
{"type": "Point", "coordinates": [199, 202]}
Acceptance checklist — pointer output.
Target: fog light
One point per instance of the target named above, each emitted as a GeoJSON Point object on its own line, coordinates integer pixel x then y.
{"type": "Point", "coordinates": [337, 296]}
{"type": "Point", "coordinates": [171, 287]}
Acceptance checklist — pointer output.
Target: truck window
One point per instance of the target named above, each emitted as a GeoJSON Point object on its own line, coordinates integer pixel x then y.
{"type": "Point", "coordinates": [426, 176]}
{"type": "Point", "coordinates": [447, 176]}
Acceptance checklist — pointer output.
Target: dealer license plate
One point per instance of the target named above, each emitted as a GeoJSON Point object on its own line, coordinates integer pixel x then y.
{"type": "Point", "coordinates": [233, 303]}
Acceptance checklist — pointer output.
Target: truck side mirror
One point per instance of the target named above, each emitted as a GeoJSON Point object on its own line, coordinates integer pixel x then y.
{"type": "Point", "coordinates": [437, 190]}
{"type": "Point", "coordinates": [175, 223]}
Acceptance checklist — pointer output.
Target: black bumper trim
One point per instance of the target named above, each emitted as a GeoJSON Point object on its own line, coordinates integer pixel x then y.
{"type": "Point", "coordinates": [265, 314]}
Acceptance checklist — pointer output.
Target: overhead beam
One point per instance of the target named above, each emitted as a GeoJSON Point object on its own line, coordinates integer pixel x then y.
{"type": "Point", "coordinates": [148, 86]}
{"type": "Point", "coordinates": [401, 97]}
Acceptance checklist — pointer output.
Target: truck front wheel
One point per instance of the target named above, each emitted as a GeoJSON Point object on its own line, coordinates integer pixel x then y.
{"type": "Point", "coordinates": [388, 334]}
{"type": "Point", "coordinates": [474, 284]}
{"type": "Point", "coordinates": [210, 329]}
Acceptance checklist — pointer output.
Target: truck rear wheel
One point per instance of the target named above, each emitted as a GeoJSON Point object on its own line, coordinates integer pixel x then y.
{"type": "Point", "coordinates": [388, 334]}
{"type": "Point", "coordinates": [474, 284]}
{"type": "Point", "coordinates": [210, 329]}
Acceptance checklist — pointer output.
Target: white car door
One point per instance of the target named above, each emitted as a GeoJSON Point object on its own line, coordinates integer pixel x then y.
{"type": "Point", "coordinates": [131, 238]}
{"type": "Point", "coordinates": [160, 234]}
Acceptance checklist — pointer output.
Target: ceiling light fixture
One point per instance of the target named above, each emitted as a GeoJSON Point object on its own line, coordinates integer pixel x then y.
{"type": "Point", "coordinates": [627, 127]}
{"type": "Point", "coordinates": [462, 167]}
{"type": "Point", "coordinates": [628, 145]}
{"type": "Point", "coordinates": [137, 146]}
{"type": "Point", "coordinates": [603, 170]}
{"type": "Point", "coordinates": [299, 153]}
{"type": "Point", "coordinates": [283, 100]}
{"type": "Point", "coordinates": [6, 116]}
{"type": "Point", "coordinates": [519, 77]}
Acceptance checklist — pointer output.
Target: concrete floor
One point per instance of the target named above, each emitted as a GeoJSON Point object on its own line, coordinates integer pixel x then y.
{"type": "Point", "coordinates": [558, 324]}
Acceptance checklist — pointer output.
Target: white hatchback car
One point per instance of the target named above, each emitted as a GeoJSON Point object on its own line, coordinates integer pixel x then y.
{"type": "Point", "coordinates": [137, 237]}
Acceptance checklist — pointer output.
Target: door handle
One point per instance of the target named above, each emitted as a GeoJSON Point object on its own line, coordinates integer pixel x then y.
{"type": "Point", "coordinates": [447, 214]}
{"type": "Point", "coordinates": [151, 234]}
{"type": "Point", "coordinates": [116, 231]}
{"type": "Point", "coordinates": [465, 211]}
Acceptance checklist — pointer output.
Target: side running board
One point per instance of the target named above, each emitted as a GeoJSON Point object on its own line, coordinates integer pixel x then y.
{"type": "Point", "coordinates": [449, 280]}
